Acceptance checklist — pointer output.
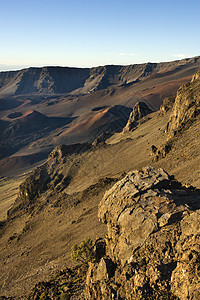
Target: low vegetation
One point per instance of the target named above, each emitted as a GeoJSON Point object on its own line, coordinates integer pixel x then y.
{"type": "Point", "coordinates": [82, 253]}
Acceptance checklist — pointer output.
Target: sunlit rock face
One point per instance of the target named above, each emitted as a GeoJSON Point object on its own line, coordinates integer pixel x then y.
{"type": "Point", "coordinates": [186, 107]}
{"type": "Point", "coordinates": [139, 111]}
{"type": "Point", "coordinates": [153, 240]}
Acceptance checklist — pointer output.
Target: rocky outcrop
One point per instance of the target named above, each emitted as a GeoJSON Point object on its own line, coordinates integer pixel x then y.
{"type": "Point", "coordinates": [185, 110]}
{"type": "Point", "coordinates": [49, 177]}
{"type": "Point", "coordinates": [101, 139]}
{"type": "Point", "coordinates": [196, 76]}
{"type": "Point", "coordinates": [167, 104]}
{"type": "Point", "coordinates": [62, 151]}
{"type": "Point", "coordinates": [140, 110]}
{"type": "Point", "coordinates": [153, 241]}
{"type": "Point", "coordinates": [161, 151]}
{"type": "Point", "coordinates": [186, 106]}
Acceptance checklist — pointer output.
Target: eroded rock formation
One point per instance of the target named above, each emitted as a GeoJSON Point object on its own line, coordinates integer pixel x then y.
{"type": "Point", "coordinates": [140, 110]}
{"type": "Point", "coordinates": [153, 240]}
{"type": "Point", "coordinates": [49, 177]}
{"type": "Point", "coordinates": [185, 110]}
{"type": "Point", "coordinates": [186, 106]}
{"type": "Point", "coordinates": [167, 104]}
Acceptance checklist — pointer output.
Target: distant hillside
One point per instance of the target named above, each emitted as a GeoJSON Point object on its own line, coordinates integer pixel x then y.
{"type": "Point", "coordinates": [78, 105]}
{"type": "Point", "coordinates": [58, 80]}
{"type": "Point", "coordinates": [48, 80]}
{"type": "Point", "coordinates": [32, 121]}
{"type": "Point", "coordinates": [22, 128]}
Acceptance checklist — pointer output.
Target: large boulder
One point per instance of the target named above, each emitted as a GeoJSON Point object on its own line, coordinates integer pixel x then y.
{"type": "Point", "coordinates": [153, 241]}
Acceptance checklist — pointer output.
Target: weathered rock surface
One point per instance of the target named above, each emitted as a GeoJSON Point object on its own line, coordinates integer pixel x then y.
{"type": "Point", "coordinates": [186, 106]}
{"type": "Point", "coordinates": [49, 177]}
{"type": "Point", "coordinates": [185, 110]}
{"type": "Point", "coordinates": [140, 110]}
{"type": "Point", "coordinates": [196, 76]}
{"type": "Point", "coordinates": [167, 104]}
{"type": "Point", "coordinates": [153, 240]}
{"type": "Point", "coordinates": [100, 140]}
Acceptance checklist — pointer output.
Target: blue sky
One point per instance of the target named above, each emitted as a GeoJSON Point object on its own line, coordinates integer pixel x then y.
{"type": "Point", "coordinates": [90, 33]}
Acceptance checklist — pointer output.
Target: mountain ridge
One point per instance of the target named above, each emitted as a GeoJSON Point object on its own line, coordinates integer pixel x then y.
{"type": "Point", "coordinates": [54, 80]}
{"type": "Point", "coordinates": [75, 94]}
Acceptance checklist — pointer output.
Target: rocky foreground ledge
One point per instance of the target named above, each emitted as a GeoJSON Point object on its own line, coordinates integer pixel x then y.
{"type": "Point", "coordinates": [152, 248]}
{"type": "Point", "coordinates": [153, 240]}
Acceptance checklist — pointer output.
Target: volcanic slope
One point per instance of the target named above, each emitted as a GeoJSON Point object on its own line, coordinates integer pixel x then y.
{"type": "Point", "coordinates": [57, 203]}
{"type": "Point", "coordinates": [19, 129]}
{"type": "Point", "coordinates": [76, 93]}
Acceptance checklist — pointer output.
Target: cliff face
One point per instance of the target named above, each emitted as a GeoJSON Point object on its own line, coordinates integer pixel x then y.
{"type": "Point", "coordinates": [152, 242]}
{"type": "Point", "coordinates": [48, 80]}
{"type": "Point", "coordinates": [186, 107]}
{"type": "Point", "coordinates": [185, 110]}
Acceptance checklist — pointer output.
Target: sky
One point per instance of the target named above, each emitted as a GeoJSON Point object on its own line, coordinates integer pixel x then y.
{"type": "Point", "coordinates": [85, 33]}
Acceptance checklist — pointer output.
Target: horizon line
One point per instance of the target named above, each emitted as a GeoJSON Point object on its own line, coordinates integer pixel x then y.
{"type": "Point", "coordinates": [16, 68]}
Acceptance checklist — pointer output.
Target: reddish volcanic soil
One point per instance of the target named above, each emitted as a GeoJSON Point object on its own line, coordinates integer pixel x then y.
{"type": "Point", "coordinates": [34, 108]}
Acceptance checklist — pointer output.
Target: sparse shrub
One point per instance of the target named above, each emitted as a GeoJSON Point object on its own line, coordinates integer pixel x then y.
{"type": "Point", "coordinates": [82, 253]}
{"type": "Point", "coordinates": [64, 296]}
